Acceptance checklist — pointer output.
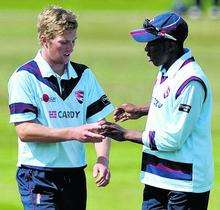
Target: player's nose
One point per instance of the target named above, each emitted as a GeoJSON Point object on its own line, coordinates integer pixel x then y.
{"type": "Point", "coordinates": [146, 48]}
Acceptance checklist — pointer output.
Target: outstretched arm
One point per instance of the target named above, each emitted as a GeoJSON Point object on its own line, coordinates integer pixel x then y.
{"type": "Point", "coordinates": [130, 111]}
{"type": "Point", "coordinates": [172, 135]}
{"type": "Point", "coordinates": [32, 131]}
{"type": "Point", "coordinates": [118, 133]}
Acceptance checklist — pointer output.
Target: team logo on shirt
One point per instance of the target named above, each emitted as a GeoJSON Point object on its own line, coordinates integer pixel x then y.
{"type": "Point", "coordinates": [79, 96]}
{"type": "Point", "coordinates": [46, 98]}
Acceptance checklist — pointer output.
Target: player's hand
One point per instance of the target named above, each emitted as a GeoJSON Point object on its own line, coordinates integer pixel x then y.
{"type": "Point", "coordinates": [126, 112]}
{"type": "Point", "coordinates": [87, 133]}
{"type": "Point", "coordinates": [101, 172]}
{"type": "Point", "coordinates": [114, 131]}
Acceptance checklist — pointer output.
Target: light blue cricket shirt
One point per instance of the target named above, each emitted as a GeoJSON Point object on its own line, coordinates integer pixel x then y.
{"type": "Point", "coordinates": [36, 92]}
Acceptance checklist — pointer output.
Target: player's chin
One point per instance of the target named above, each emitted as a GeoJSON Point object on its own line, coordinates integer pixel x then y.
{"type": "Point", "coordinates": [65, 59]}
{"type": "Point", "coordinates": [62, 61]}
{"type": "Point", "coordinates": [154, 60]}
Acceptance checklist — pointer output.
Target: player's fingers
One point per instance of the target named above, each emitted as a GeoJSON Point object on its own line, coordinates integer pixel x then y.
{"type": "Point", "coordinates": [106, 133]}
{"type": "Point", "coordinates": [124, 119]}
{"type": "Point", "coordinates": [92, 141]}
{"type": "Point", "coordinates": [94, 126]}
{"type": "Point", "coordinates": [117, 117]}
{"type": "Point", "coordinates": [101, 176]}
{"type": "Point", "coordinates": [99, 180]}
{"type": "Point", "coordinates": [94, 137]}
{"type": "Point", "coordinates": [103, 183]}
{"type": "Point", "coordinates": [101, 122]}
{"type": "Point", "coordinates": [108, 175]}
{"type": "Point", "coordinates": [121, 117]}
{"type": "Point", "coordinates": [105, 128]}
{"type": "Point", "coordinates": [95, 172]}
{"type": "Point", "coordinates": [119, 110]}
{"type": "Point", "coordinates": [126, 116]}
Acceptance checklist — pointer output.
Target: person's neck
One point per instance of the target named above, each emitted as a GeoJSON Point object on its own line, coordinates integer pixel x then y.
{"type": "Point", "coordinates": [175, 56]}
{"type": "Point", "coordinates": [56, 67]}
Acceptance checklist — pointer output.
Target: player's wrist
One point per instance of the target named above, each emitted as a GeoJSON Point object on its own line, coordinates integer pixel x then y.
{"type": "Point", "coordinates": [103, 160]}
{"type": "Point", "coordinates": [133, 136]}
{"type": "Point", "coordinates": [142, 110]}
{"type": "Point", "coordinates": [126, 134]}
{"type": "Point", "coordinates": [70, 134]}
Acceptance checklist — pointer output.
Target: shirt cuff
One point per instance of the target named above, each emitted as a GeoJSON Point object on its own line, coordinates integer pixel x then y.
{"type": "Point", "coordinates": [145, 138]}
{"type": "Point", "coordinates": [22, 117]}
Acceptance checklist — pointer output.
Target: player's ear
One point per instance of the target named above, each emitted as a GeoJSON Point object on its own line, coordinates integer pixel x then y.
{"type": "Point", "coordinates": [171, 46]}
{"type": "Point", "coordinates": [44, 41]}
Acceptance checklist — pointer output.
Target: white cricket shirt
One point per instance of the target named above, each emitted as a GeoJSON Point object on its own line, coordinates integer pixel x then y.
{"type": "Point", "coordinates": [178, 148]}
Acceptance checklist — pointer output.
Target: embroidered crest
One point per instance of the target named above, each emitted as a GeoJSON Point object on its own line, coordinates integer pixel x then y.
{"type": "Point", "coordinates": [79, 96]}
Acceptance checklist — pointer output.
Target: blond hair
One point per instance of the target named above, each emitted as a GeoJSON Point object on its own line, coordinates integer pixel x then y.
{"type": "Point", "coordinates": [53, 21]}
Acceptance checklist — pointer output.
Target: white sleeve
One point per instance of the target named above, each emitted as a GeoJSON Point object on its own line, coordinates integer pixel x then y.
{"type": "Point", "coordinates": [186, 112]}
{"type": "Point", "coordinates": [21, 98]}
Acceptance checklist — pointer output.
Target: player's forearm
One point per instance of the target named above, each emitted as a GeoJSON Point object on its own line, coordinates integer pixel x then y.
{"type": "Point", "coordinates": [33, 132]}
{"type": "Point", "coordinates": [143, 109]}
{"type": "Point", "coordinates": [133, 136]}
{"type": "Point", "coordinates": [102, 151]}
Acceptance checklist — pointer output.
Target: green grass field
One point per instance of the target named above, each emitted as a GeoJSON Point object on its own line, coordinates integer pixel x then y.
{"type": "Point", "coordinates": [121, 67]}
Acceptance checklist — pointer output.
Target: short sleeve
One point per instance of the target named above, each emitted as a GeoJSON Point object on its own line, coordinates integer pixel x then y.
{"type": "Point", "coordinates": [98, 104]}
{"type": "Point", "coordinates": [22, 105]}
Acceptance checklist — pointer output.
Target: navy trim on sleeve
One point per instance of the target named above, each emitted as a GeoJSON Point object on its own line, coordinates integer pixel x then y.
{"type": "Point", "coordinates": [193, 78]}
{"type": "Point", "coordinates": [97, 106]}
{"type": "Point", "coordinates": [17, 108]}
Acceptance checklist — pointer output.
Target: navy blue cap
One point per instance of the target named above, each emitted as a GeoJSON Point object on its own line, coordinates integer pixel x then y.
{"type": "Point", "coordinates": [168, 25]}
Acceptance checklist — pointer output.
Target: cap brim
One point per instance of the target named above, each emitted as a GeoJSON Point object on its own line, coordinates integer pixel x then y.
{"type": "Point", "coordinates": [141, 35]}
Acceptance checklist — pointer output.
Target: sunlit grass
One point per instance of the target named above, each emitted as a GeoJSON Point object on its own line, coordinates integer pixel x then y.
{"type": "Point", "coordinates": [121, 67]}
